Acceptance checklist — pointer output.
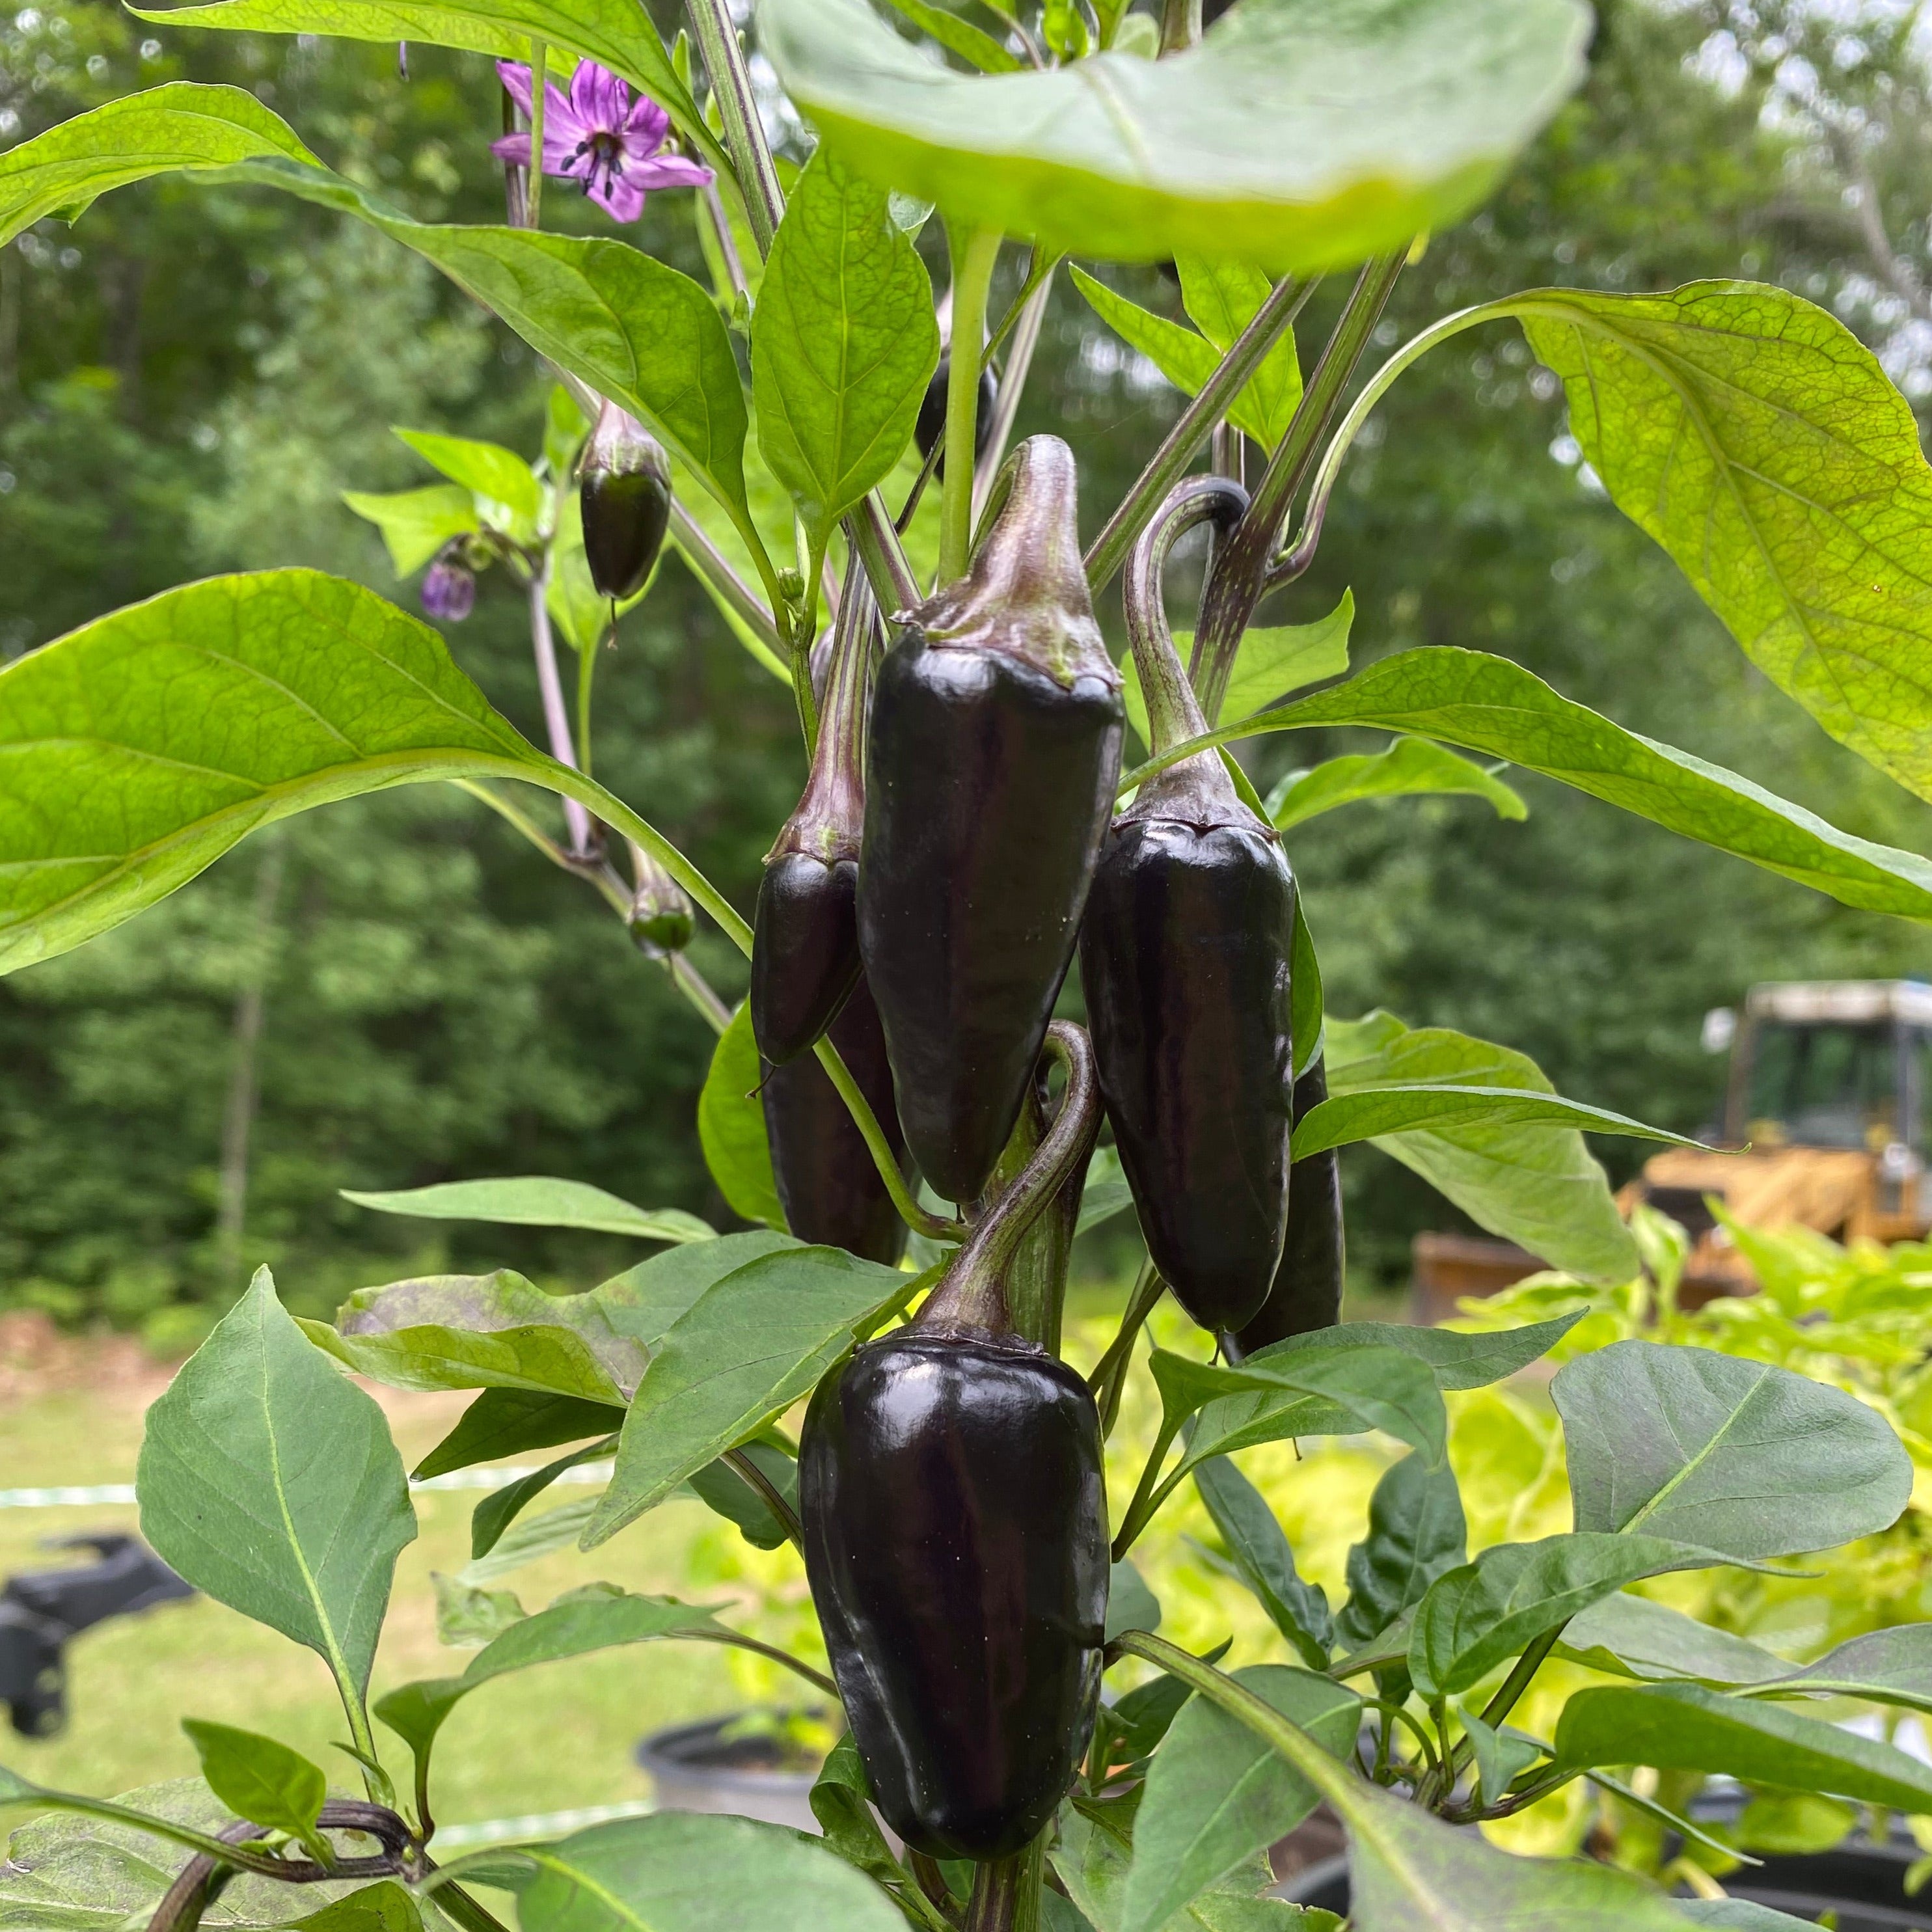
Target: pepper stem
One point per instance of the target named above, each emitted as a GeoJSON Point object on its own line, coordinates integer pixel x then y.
{"type": "Point", "coordinates": [831, 809]}
{"type": "Point", "coordinates": [539, 83]}
{"type": "Point", "coordinates": [1173, 712]}
{"type": "Point", "coordinates": [974, 251]}
{"type": "Point", "coordinates": [972, 1294]}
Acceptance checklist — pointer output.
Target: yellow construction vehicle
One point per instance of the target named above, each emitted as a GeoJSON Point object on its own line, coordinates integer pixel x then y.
{"type": "Point", "coordinates": [1829, 1108]}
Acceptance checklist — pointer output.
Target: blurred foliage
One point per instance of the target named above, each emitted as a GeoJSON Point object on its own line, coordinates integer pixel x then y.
{"type": "Point", "coordinates": [190, 376]}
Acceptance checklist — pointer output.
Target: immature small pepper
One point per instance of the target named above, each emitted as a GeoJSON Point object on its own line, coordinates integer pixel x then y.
{"type": "Point", "coordinates": [929, 429]}
{"type": "Point", "coordinates": [994, 750]}
{"type": "Point", "coordinates": [954, 1506]}
{"type": "Point", "coordinates": [805, 933]}
{"type": "Point", "coordinates": [828, 1182]}
{"type": "Point", "coordinates": [1306, 1294]}
{"type": "Point", "coordinates": [1185, 961]}
{"type": "Point", "coordinates": [662, 918]}
{"type": "Point", "coordinates": [624, 495]}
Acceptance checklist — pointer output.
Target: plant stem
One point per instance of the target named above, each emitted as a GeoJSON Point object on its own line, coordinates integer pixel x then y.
{"type": "Point", "coordinates": [556, 719]}
{"type": "Point", "coordinates": [737, 1640]}
{"type": "Point", "coordinates": [755, 1478]}
{"type": "Point", "coordinates": [1180, 26]}
{"type": "Point", "coordinates": [699, 991]}
{"type": "Point", "coordinates": [934, 1227]}
{"type": "Point", "coordinates": [1013, 373]}
{"type": "Point", "coordinates": [533, 181]}
{"type": "Point", "coordinates": [1514, 1685]}
{"type": "Point", "coordinates": [727, 242]}
{"type": "Point", "coordinates": [711, 566]}
{"type": "Point", "coordinates": [1110, 1373]}
{"type": "Point", "coordinates": [717, 37]}
{"type": "Point", "coordinates": [1150, 1492]}
{"type": "Point", "coordinates": [974, 252]}
{"type": "Point", "coordinates": [1241, 572]}
{"type": "Point", "coordinates": [995, 1893]}
{"type": "Point", "coordinates": [1195, 424]}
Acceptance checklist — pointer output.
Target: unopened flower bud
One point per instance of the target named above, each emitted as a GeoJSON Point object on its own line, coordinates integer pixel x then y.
{"type": "Point", "coordinates": [661, 919]}
{"type": "Point", "coordinates": [448, 587]}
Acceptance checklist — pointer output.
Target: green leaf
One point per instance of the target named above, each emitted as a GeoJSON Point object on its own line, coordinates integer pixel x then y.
{"type": "Point", "coordinates": [500, 1508]}
{"type": "Point", "coordinates": [1263, 1556]}
{"type": "Point", "coordinates": [731, 1125]}
{"type": "Point", "coordinates": [1632, 1637]}
{"type": "Point", "coordinates": [1734, 1456]}
{"type": "Point", "coordinates": [1685, 1727]}
{"type": "Point", "coordinates": [1298, 137]}
{"type": "Point", "coordinates": [1309, 1011]}
{"type": "Point", "coordinates": [841, 1802]}
{"type": "Point", "coordinates": [960, 36]}
{"type": "Point", "coordinates": [843, 344]}
{"type": "Point", "coordinates": [1758, 441]}
{"type": "Point", "coordinates": [468, 1616]}
{"type": "Point", "coordinates": [1269, 661]}
{"type": "Point", "coordinates": [259, 1779]}
{"type": "Point", "coordinates": [527, 1539]}
{"type": "Point", "coordinates": [721, 1489]}
{"type": "Point", "coordinates": [258, 1429]}
{"type": "Point", "coordinates": [1106, 1193]}
{"type": "Point", "coordinates": [384, 1906]}
{"type": "Point", "coordinates": [643, 1301]}
{"type": "Point", "coordinates": [137, 750]}
{"type": "Point", "coordinates": [1410, 768]}
{"type": "Point", "coordinates": [1366, 1112]}
{"type": "Point", "coordinates": [182, 125]}
{"type": "Point", "coordinates": [1131, 1605]}
{"type": "Point", "coordinates": [508, 496]}
{"type": "Point", "coordinates": [1488, 705]}
{"type": "Point", "coordinates": [483, 1331]}
{"type": "Point", "coordinates": [1091, 1860]}
{"type": "Point", "coordinates": [1417, 1533]}
{"type": "Point", "coordinates": [748, 1347]}
{"type": "Point", "coordinates": [1216, 1794]}
{"type": "Point", "coordinates": [1498, 1758]}
{"type": "Point", "coordinates": [507, 1422]}
{"type": "Point", "coordinates": [535, 1201]}
{"type": "Point", "coordinates": [687, 1872]}
{"type": "Point", "coordinates": [415, 523]}
{"type": "Point", "coordinates": [615, 33]}
{"type": "Point", "coordinates": [1363, 1387]}
{"type": "Point", "coordinates": [1537, 1185]}
{"type": "Point", "coordinates": [1738, 1914]}
{"type": "Point", "coordinates": [1454, 1361]}
{"type": "Point", "coordinates": [1888, 1667]}
{"type": "Point", "coordinates": [1222, 297]}
{"type": "Point", "coordinates": [1475, 1617]}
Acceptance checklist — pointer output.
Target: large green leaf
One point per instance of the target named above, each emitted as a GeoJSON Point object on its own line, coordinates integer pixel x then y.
{"type": "Point", "coordinates": [137, 750]}
{"type": "Point", "coordinates": [535, 1201]}
{"type": "Point", "coordinates": [1091, 1859]}
{"type": "Point", "coordinates": [731, 1125]}
{"type": "Point", "coordinates": [507, 1422]}
{"type": "Point", "coordinates": [1758, 440]}
{"type": "Point", "coordinates": [616, 33]}
{"type": "Point", "coordinates": [1365, 1112]}
{"type": "Point", "coordinates": [1627, 1636]}
{"type": "Point", "coordinates": [1301, 134]}
{"type": "Point", "coordinates": [1416, 1532]}
{"type": "Point", "coordinates": [1475, 1617]}
{"type": "Point", "coordinates": [643, 1301]}
{"type": "Point", "coordinates": [1216, 1794]}
{"type": "Point", "coordinates": [1685, 1727]}
{"type": "Point", "coordinates": [268, 1480]}
{"type": "Point", "coordinates": [1410, 768]}
{"type": "Point", "coordinates": [682, 1871]}
{"type": "Point", "coordinates": [1729, 1455]}
{"type": "Point", "coordinates": [415, 523]}
{"type": "Point", "coordinates": [843, 342]}
{"type": "Point", "coordinates": [1535, 1185]}
{"type": "Point", "coordinates": [1888, 1667]}
{"type": "Point", "coordinates": [1265, 1560]}
{"type": "Point", "coordinates": [747, 1349]}
{"type": "Point", "coordinates": [260, 1778]}
{"type": "Point", "coordinates": [1488, 705]}
{"type": "Point", "coordinates": [504, 487]}
{"type": "Point", "coordinates": [484, 1331]}
{"type": "Point", "coordinates": [183, 125]}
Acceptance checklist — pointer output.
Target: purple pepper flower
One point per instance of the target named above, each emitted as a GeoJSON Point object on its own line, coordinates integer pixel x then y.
{"type": "Point", "coordinates": [448, 587]}
{"type": "Point", "coordinates": [598, 136]}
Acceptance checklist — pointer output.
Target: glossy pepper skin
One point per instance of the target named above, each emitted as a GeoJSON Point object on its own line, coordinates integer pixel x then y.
{"type": "Point", "coordinates": [1306, 1293]}
{"type": "Point", "coordinates": [1185, 962]}
{"type": "Point", "coordinates": [624, 495]}
{"type": "Point", "coordinates": [828, 1183]}
{"type": "Point", "coordinates": [994, 751]}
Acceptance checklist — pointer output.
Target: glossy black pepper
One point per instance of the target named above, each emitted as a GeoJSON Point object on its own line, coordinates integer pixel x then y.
{"type": "Point", "coordinates": [624, 496]}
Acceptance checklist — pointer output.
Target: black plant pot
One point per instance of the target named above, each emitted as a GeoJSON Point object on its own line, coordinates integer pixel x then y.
{"type": "Point", "coordinates": [697, 1768]}
{"type": "Point", "coordinates": [1864, 1884]}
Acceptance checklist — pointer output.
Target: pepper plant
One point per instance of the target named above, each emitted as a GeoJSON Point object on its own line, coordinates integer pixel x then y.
{"type": "Point", "coordinates": [970, 816]}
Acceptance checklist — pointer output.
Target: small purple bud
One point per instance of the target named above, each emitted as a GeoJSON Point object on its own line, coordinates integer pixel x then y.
{"type": "Point", "coordinates": [449, 589]}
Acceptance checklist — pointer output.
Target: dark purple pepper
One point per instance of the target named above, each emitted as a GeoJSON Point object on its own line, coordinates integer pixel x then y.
{"type": "Point", "coordinates": [1306, 1294]}
{"type": "Point", "coordinates": [994, 751]}
{"type": "Point", "coordinates": [929, 429]}
{"type": "Point", "coordinates": [828, 1183]}
{"type": "Point", "coordinates": [624, 494]}
{"type": "Point", "coordinates": [954, 1506]}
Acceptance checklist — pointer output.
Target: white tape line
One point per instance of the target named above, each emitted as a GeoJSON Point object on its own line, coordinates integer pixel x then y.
{"type": "Point", "coordinates": [72, 1497]}
{"type": "Point", "coordinates": [539, 1824]}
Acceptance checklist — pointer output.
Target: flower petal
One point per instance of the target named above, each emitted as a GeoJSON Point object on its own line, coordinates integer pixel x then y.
{"type": "Point", "coordinates": [516, 80]}
{"type": "Point", "coordinates": [644, 132]}
{"type": "Point", "coordinates": [621, 197]}
{"type": "Point", "coordinates": [600, 100]}
{"type": "Point", "coordinates": [667, 171]}
{"type": "Point", "coordinates": [515, 148]}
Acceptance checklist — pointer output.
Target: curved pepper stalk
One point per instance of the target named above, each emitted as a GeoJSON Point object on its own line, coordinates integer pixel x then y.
{"type": "Point", "coordinates": [955, 1512]}
{"type": "Point", "coordinates": [1306, 1294]}
{"type": "Point", "coordinates": [805, 934]}
{"type": "Point", "coordinates": [1185, 963]}
{"type": "Point", "coordinates": [624, 495]}
{"type": "Point", "coordinates": [994, 750]}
